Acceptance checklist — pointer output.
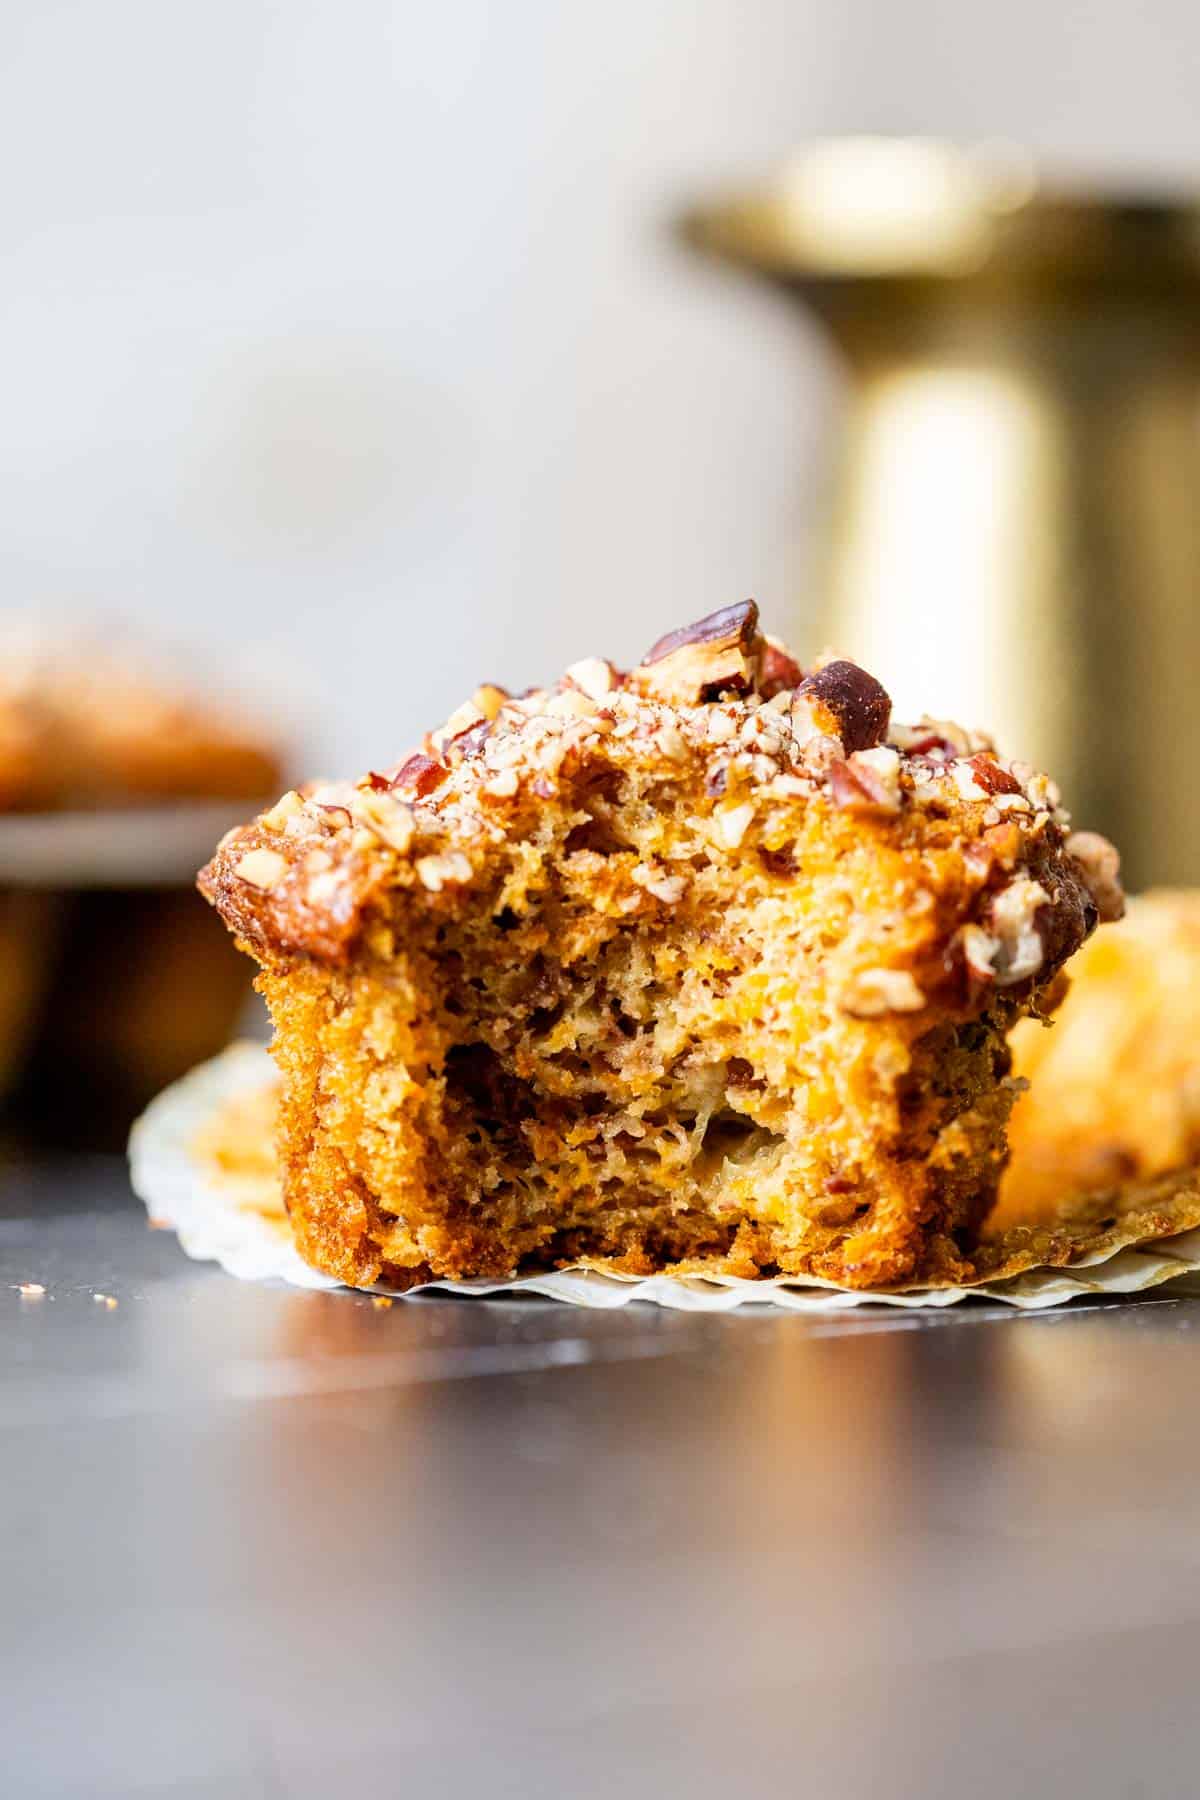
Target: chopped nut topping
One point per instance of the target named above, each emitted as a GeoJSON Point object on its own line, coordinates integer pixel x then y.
{"type": "Point", "coordinates": [884, 763]}
{"type": "Point", "coordinates": [463, 719]}
{"type": "Point", "coordinates": [966, 782]}
{"type": "Point", "coordinates": [980, 950]}
{"type": "Point", "coordinates": [593, 676]}
{"type": "Point", "coordinates": [992, 777]}
{"type": "Point", "coordinates": [743, 728]}
{"type": "Point", "coordinates": [502, 785]}
{"type": "Point", "coordinates": [489, 699]}
{"type": "Point", "coordinates": [841, 700]}
{"type": "Point", "coordinates": [389, 819]}
{"type": "Point", "coordinates": [938, 737]}
{"type": "Point", "coordinates": [779, 670]}
{"type": "Point", "coordinates": [262, 868]}
{"type": "Point", "coordinates": [571, 703]}
{"type": "Point", "coordinates": [820, 756]}
{"type": "Point", "coordinates": [1003, 844]}
{"type": "Point", "coordinates": [1040, 790]}
{"type": "Point", "coordinates": [671, 741]}
{"type": "Point", "coordinates": [1101, 866]}
{"type": "Point", "coordinates": [1043, 792]}
{"type": "Point", "coordinates": [289, 807]}
{"type": "Point", "coordinates": [655, 880]}
{"type": "Point", "coordinates": [732, 823]}
{"type": "Point", "coordinates": [1021, 951]}
{"type": "Point", "coordinates": [449, 870]}
{"type": "Point", "coordinates": [862, 784]}
{"type": "Point", "coordinates": [873, 992]}
{"type": "Point", "coordinates": [419, 775]}
{"type": "Point", "coordinates": [718, 653]}
{"type": "Point", "coordinates": [920, 740]}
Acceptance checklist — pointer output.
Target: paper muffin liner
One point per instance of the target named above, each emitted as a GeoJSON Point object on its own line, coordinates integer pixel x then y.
{"type": "Point", "coordinates": [201, 1161]}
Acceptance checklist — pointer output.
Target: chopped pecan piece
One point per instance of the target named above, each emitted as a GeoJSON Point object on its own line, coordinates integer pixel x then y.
{"type": "Point", "coordinates": [469, 742]}
{"type": "Point", "coordinates": [779, 670]}
{"type": "Point", "coordinates": [419, 775]}
{"type": "Point", "coordinates": [991, 777]}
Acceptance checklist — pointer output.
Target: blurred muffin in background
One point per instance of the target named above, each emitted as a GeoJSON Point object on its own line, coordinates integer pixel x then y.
{"type": "Point", "coordinates": [1115, 1081]}
{"type": "Point", "coordinates": [114, 778]}
{"type": "Point", "coordinates": [81, 729]}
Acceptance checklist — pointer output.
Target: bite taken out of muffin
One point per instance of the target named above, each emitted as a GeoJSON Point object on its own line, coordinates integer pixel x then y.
{"type": "Point", "coordinates": [705, 966]}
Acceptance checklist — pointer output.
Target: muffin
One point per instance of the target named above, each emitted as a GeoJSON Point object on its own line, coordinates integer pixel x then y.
{"type": "Point", "coordinates": [707, 966]}
{"type": "Point", "coordinates": [79, 732]}
{"type": "Point", "coordinates": [114, 977]}
{"type": "Point", "coordinates": [1114, 1088]}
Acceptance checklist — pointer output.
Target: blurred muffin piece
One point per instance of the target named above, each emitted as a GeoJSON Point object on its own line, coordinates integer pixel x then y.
{"type": "Point", "coordinates": [85, 730]}
{"type": "Point", "coordinates": [1115, 1083]}
{"type": "Point", "coordinates": [114, 978]}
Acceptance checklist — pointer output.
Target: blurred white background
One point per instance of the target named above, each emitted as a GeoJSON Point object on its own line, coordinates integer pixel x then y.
{"type": "Point", "coordinates": [350, 338]}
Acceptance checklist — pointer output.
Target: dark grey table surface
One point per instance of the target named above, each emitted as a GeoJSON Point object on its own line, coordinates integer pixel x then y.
{"type": "Point", "coordinates": [262, 1542]}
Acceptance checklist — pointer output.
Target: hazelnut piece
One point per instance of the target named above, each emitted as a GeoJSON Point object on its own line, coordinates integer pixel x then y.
{"type": "Point", "coordinates": [702, 660]}
{"type": "Point", "coordinates": [489, 698]}
{"type": "Point", "coordinates": [388, 818]}
{"type": "Point", "coordinates": [464, 719]}
{"type": "Point", "coordinates": [262, 869]}
{"type": "Point", "coordinates": [289, 807]}
{"type": "Point", "coordinates": [593, 676]}
{"type": "Point", "coordinates": [1100, 864]}
{"type": "Point", "coordinates": [858, 787]}
{"type": "Point", "coordinates": [1014, 911]}
{"type": "Point", "coordinates": [843, 701]}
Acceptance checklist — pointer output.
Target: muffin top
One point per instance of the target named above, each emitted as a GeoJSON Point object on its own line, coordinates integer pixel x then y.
{"type": "Point", "coordinates": [87, 728]}
{"type": "Point", "coordinates": [715, 713]}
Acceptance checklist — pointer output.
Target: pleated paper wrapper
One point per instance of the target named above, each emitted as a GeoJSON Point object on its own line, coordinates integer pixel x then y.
{"type": "Point", "coordinates": [201, 1161]}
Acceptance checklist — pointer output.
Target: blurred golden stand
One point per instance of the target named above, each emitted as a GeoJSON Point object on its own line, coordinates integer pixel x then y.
{"type": "Point", "coordinates": [1014, 534]}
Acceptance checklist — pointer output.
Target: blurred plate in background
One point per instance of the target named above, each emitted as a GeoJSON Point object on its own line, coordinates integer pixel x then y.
{"type": "Point", "coordinates": [115, 977]}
